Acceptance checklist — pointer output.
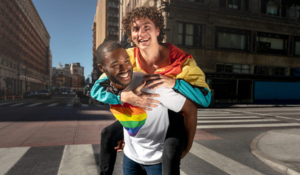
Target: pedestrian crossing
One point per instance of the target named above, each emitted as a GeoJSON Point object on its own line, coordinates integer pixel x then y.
{"type": "Point", "coordinates": [83, 160]}
{"type": "Point", "coordinates": [10, 104]}
{"type": "Point", "coordinates": [222, 119]}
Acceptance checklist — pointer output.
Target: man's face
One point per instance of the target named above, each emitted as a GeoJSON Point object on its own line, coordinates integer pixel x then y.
{"type": "Point", "coordinates": [144, 33]}
{"type": "Point", "coordinates": [118, 68]}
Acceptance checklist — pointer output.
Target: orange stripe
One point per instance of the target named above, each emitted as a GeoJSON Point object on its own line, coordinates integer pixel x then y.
{"type": "Point", "coordinates": [129, 111]}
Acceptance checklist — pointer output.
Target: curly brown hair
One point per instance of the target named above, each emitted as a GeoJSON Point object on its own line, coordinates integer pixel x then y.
{"type": "Point", "coordinates": [144, 12]}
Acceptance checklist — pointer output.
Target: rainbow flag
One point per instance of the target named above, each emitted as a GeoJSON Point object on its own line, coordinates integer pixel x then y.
{"type": "Point", "coordinates": [131, 117]}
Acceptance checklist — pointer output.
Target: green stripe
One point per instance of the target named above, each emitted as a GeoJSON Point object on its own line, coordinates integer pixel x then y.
{"type": "Point", "coordinates": [132, 124]}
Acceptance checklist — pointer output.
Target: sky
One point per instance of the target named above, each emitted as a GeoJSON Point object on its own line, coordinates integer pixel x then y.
{"type": "Point", "coordinates": [69, 24]}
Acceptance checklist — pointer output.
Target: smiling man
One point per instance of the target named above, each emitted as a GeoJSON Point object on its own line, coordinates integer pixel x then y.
{"type": "Point", "coordinates": [166, 66]}
{"type": "Point", "coordinates": [144, 131]}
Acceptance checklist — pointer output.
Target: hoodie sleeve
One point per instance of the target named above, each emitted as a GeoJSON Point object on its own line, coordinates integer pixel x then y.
{"type": "Point", "coordinates": [99, 93]}
{"type": "Point", "coordinates": [191, 84]}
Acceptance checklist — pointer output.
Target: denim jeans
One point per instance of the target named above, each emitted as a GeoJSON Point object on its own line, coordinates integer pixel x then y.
{"type": "Point", "coordinates": [131, 167]}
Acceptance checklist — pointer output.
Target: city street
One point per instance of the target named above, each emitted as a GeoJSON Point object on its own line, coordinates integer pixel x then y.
{"type": "Point", "coordinates": [56, 137]}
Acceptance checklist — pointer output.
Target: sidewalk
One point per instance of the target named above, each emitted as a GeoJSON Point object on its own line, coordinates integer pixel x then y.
{"type": "Point", "coordinates": [279, 149]}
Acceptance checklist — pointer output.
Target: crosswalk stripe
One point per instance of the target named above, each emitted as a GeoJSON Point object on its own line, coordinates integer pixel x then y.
{"type": "Point", "coordinates": [70, 104]}
{"type": "Point", "coordinates": [78, 159]}
{"type": "Point", "coordinates": [226, 117]}
{"type": "Point", "coordinates": [4, 104]}
{"type": "Point", "coordinates": [18, 104]}
{"type": "Point", "coordinates": [247, 125]}
{"type": "Point", "coordinates": [222, 162]}
{"type": "Point", "coordinates": [84, 105]}
{"type": "Point", "coordinates": [236, 121]}
{"type": "Point", "coordinates": [35, 104]}
{"type": "Point", "coordinates": [9, 157]}
{"type": "Point", "coordinates": [53, 104]}
{"type": "Point", "coordinates": [218, 114]}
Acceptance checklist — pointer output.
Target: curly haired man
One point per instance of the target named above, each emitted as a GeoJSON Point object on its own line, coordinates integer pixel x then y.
{"type": "Point", "coordinates": [166, 66]}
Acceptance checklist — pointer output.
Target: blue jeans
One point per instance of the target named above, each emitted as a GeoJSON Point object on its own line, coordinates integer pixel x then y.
{"type": "Point", "coordinates": [131, 167]}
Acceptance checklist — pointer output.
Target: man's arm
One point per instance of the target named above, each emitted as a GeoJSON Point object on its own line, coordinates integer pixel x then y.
{"type": "Point", "coordinates": [190, 123]}
{"type": "Point", "coordinates": [134, 97]}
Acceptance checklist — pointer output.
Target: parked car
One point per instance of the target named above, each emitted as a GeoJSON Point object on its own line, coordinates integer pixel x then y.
{"type": "Point", "coordinates": [29, 95]}
{"type": "Point", "coordinates": [64, 93]}
{"type": "Point", "coordinates": [44, 94]}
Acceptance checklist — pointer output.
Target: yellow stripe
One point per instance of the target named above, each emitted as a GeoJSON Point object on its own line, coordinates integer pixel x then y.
{"type": "Point", "coordinates": [126, 117]}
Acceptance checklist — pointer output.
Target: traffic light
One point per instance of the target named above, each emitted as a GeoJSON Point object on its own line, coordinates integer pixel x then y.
{"type": "Point", "coordinates": [50, 87]}
{"type": "Point", "coordinates": [75, 82]}
{"type": "Point", "coordinates": [87, 88]}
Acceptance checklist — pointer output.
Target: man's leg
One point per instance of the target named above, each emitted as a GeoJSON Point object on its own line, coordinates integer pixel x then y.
{"type": "Point", "coordinates": [153, 169]}
{"type": "Point", "coordinates": [130, 167]}
{"type": "Point", "coordinates": [109, 137]}
{"type": "Point", "coordinates": [175, 143]}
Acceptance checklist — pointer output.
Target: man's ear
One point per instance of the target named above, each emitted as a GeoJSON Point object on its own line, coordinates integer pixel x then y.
{"type": "Point", "coordinates": [101, 68]}
{"type": "Point", "coordinates": [157, 31]}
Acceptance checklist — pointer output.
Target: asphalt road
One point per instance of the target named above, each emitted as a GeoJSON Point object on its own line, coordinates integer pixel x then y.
{"type": "Point", "coordinates": [54, 137]}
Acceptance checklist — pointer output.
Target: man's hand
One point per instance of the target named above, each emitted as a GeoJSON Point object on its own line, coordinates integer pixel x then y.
{"type": "Point", "coordinates": [120, 146]}
{"type": "Point", "coordinates": [156, 80]}
{"type": "Point", "coordinates": [140, 99]}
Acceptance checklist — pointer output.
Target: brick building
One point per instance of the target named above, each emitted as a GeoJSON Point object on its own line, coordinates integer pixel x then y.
{"type": "Point", "coordinates": [105, 27]}
{"type": "Point", "coordinates": [249, 50]}
{"type": "Point", "coordinates": [25, 57]}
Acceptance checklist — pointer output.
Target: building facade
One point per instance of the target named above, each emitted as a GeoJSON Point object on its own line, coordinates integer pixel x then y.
{"type": "Point", "coordinates": [249, 50]}
{"type": "Point", "coordinates": [62, 79]}
{"type": "Point", "coordinates": [25, 58]}
{"type": "Point", "coordinates": [105, 26]}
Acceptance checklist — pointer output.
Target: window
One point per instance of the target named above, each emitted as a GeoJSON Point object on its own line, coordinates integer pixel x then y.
{"type": "Point", "coordinates": [297, 46]}
{"type": "Point", "coordinates": [235, 4]}
{"type": "Point", "coordinates": [232, 39]}
{"type": "Point", "coordinates": [269, 70]}
{"type": "Point", "coordinates": [298, 12]}
{"type": "Point", "coordinates": [272, 8]}
{"type": "Point", "coordinates": [233, 68]}
{"type": "Point", "coordinates": [271, 43]}
{"type": "Point", "coordinates": [189, 35]}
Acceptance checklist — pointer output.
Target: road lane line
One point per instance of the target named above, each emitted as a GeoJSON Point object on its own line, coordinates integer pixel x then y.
{"type": "Point", "coordinates": [228, 117]}
{"type": "Point", "coordinates": [236, 121]}
{"type": "Point", "coordinates": [18, 104]}
{"type": "Point", "coordinates": [85, 105]}
{"type": "Point", "coordinates": [78, 159]}
{"type": "Point", "coordinates": [247, 125]}
{"type": "Point", "coordinates": [35, 104]}
{"type": "Point", "coordinates": [218, 114]}
{"type": "Point", "coordinates": [4, 104]}
{"type": "Point", "coordinates": [9, 157]}
{"type": "Point", "coordinates": [220, 161]}
{"type": "Point", "coordinates": [53, 104]}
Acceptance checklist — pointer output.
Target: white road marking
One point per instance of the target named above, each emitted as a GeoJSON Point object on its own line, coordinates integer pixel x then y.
{"type": "Point", "coordinates": [228, 117]}
{"type": "Point", "coordinates": [247, 125]}
{"type": "Point", "coordinates": [9, 157]}
{"type": "Point", "coordinates": [70, 105]}
{"type": "Point", "coordinates": [217, 114]}
{"type": "Point", "coordinates": [222, 162]}
{"type": "Point", "coordinates": [4, 104]}
{"type": "Point", "coordinates": [182, 172]}
{"type": "Point", "coordinates": [18, 104]}
{"type": "Point", "coordinates": [84, 105]}
{"type": "Point", "coordinates": [34, 104]}
{"type": "Point", "coordinates": [78, 159]}
{"type": "Point", "coordinates": [53, 104]}
{"type": "Point", "coordinates": [236, 121]}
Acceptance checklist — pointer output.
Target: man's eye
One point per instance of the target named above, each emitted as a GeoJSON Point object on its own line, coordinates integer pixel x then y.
{"type": "Point", "coordinates": [115, 66]}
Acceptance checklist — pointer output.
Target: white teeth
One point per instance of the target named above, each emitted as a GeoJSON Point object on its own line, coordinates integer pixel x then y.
{"type": "Point", "coordinates": [124, 75]}
{"type": "Point", "coordinates": [144, 40]}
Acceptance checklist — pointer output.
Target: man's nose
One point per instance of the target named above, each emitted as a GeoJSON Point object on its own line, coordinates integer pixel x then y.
{"type": "Point", "coordinates": [141, 31]}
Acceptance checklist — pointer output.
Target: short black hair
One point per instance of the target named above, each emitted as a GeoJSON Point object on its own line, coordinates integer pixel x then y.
{"type": "Point", "coordinates": [107, 46]}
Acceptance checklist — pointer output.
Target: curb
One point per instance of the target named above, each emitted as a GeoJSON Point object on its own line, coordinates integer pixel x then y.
{"type": "Point", "coordinates": [274, 164]}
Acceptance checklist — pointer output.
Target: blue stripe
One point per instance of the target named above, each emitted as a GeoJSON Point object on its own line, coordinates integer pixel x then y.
{"type": "Point", "coordinates": [193, 93]}
{"type": "Point", "coordinates": [133, 131]}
